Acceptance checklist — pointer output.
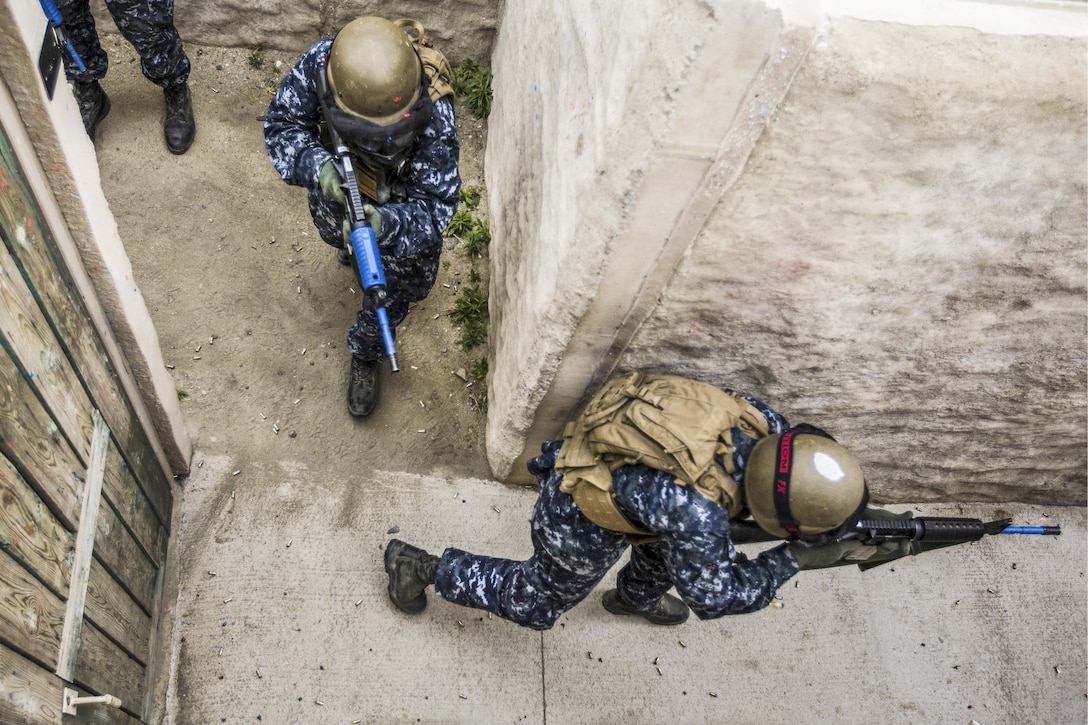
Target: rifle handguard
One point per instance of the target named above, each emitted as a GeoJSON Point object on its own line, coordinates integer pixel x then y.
{"type": "Point", "coordinates": [933, 529]}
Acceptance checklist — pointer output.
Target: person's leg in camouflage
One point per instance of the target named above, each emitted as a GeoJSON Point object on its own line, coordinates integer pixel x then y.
{"type": "Point", "coordinates": [641, 588]}
{"type": "Point", "coordinates": [408, 279]}
{"type": "Point", "coordinates": [570, 557]}
{"type": "Point", "coordinates": [149, 26]}
{"type": "Point", "coordinates": [80, 28]}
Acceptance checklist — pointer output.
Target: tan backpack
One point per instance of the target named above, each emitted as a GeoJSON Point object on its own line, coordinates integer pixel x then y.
{"type": "Point", "coordinates": [666, 422]}
{"type": "Point", "coordinates": [439, 73]}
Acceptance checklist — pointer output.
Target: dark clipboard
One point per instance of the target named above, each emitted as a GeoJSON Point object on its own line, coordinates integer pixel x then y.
{"type": "Point", "coordinates": [49, 60]}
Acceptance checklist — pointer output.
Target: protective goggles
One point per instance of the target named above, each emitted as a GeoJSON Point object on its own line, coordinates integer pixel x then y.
{"type": "Point", "coordinates": [382, 146]}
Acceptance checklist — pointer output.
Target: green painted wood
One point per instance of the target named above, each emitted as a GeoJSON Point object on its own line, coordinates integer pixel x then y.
{"type": "Point", "coordinates": [115, 548]}
{"type": "Point", "coordinates": [31, 440]}
{"type": "Point", "coordinates": [38, 356]}
{"type": "Point", "coordinates": [33, 696]}
{"type": "Point", "coordinates": [38, 260]}
{"type": "Point", "coordinates": [55, 380]}
{"type": "Point", "coordinates": [103, 667]}
{"type": "Point", "coordinates": [131, 506]}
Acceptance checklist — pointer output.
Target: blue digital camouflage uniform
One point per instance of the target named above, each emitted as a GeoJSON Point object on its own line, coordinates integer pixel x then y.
{"type": "Point", "coordinates": [414, 219]}
{"type": "Point", "coordinates": [571, 554]}
{"type": "Point", "coordinates": [147, 24]}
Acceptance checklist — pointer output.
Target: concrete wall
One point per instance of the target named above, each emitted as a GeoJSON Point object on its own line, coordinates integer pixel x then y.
{"type": "Point", "coordinates": [874, 223]}
{"type": "Point", "coordinates": [461, 28]}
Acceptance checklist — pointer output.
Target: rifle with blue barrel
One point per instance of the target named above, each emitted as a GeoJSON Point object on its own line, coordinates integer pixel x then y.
{"type": "Point", "coordinates": [364, 247]}
{"type": "Point", "coordinates": [924, 533]}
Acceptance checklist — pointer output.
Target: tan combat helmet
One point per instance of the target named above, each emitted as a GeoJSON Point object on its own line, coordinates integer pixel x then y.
{"type": "Point", "coordinates": [802, 482]}
{"type": "Point", "coordinates": [374, 71]}
{"type": "Point", "coordinates": [374, 92]}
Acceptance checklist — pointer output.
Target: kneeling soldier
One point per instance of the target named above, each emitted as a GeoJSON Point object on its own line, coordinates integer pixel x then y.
{"type": "Point", "coordinates": [671, 467]}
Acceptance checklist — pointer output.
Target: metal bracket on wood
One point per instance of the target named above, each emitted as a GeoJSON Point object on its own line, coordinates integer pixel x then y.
{"type": "Point", "coordinates": [72, 700]}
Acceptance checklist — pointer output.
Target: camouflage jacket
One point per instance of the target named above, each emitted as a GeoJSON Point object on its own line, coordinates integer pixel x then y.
{"type": "Point", "coordinates": [693, 532]}
{"type": "Point", "coordinates": [412, 223]}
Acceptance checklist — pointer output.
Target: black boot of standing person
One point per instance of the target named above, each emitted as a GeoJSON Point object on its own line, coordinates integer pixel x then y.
{"type": "Point", "coordinates": [180, 125]}
{"type": "Point", "coordinates": [93, 102]}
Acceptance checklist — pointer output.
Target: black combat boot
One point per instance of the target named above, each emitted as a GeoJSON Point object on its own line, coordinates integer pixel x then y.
{"type": "Point", "coordinates": [411, 570]}
{"type": "Point", "coordinates": [93, 102]}
{"type": "Point", "coordinates": [362, 387]}
{"type": "Point", "coordinates": [668, 610]}
{"type": "Point", "coordinates": [180, 125]}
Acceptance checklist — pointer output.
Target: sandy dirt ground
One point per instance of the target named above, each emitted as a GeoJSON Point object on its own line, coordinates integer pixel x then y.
{"type": "Point", "coordinates": [251, 307]}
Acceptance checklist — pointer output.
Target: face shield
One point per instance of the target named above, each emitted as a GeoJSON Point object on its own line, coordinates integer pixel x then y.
{"type": "Point", "coordinates": [381, 146]}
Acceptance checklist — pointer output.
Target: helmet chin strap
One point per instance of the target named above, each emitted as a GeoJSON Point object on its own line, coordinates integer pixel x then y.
{"type": "Point", "coordinates": [782, 484]}
{"type": "Point", "coordinates": [783, 471]}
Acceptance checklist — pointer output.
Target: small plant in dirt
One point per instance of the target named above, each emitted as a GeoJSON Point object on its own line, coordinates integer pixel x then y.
{"type": "Point", "coordinates": [477, 239]}
{"type": "Point", "coordinates": [463, 73]}
{"type": "Point", "coordinates": [479, 369]}
{"type": "Point", "coordinates": [256, 58]}
{"type": "Point", "coordinates": [470, 197]}
{"type": "Point", "coordinates": [470, 313]}
{"type": "Point", "coordinates": [473, 334]}
{"type": "Point", "coordinates": [471, 306]}
{"type": "Point", "coordinates": [472, 84]}
{"type": "Point", "coordinates": [460, 224]}
{"type": "Point", "coordinates": [478, 401]}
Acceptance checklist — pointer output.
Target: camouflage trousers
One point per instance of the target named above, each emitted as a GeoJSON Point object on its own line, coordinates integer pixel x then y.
{"type": "Point", "coordinates": [571, 555]}
{"type": "Point", "coordinates": [147, 24]}
{"type": "Point", "coordinates": [407, 280]}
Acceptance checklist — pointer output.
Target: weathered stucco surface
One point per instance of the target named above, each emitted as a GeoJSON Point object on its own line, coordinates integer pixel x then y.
{"type": "Point", "coordinates": [466, 28]}
{"type": "Point", "coordinates": [901, 258]}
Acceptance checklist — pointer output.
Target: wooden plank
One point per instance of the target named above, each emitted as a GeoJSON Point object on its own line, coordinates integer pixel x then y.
{"type": "Point", "coordinates": [157, 487]}
{"type": "Point", "coordinates": [30, 342]}
{"type": "Point", "coordinates": [31, 616]}
{"type": "Point", "coordinates": [102, 667]}
{"type": "Point", "coordinates": [33, 696]}
{"type": "Point", "coordinates": [115, 612]}
{"type": "Point", "coordinates": [84, 551]}
{"type": "Point", "coordinates": [115, 548]}
{"type": "Point", "coordinates": [31, 440]}
{"type": "Point", "coordinates": [131, 506]}
{"type": "Point", "coordinates": [155, 669]}
{"type": "Point", "coordinates": [31, 245]}
{"type": "Point", "coordinates": [31, 534]}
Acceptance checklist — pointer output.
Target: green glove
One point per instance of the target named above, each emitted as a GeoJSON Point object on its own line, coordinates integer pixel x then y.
{"type": "Point", "coordinates": [329, 181]}
{"type": "Point", "coordinates": [820, 557]}
{"type": "Point", "coordinates": [889, 550]}
{"type": "Point", "coordinates": [851, 551]}
{"type": "Point", "coordinates": [373, 218]}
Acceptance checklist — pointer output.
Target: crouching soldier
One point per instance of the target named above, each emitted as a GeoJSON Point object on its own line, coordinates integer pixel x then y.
{"type": "Point", "coordinates": [673, 468]}
{"type": "Point", "coordinates": [386, 93]}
